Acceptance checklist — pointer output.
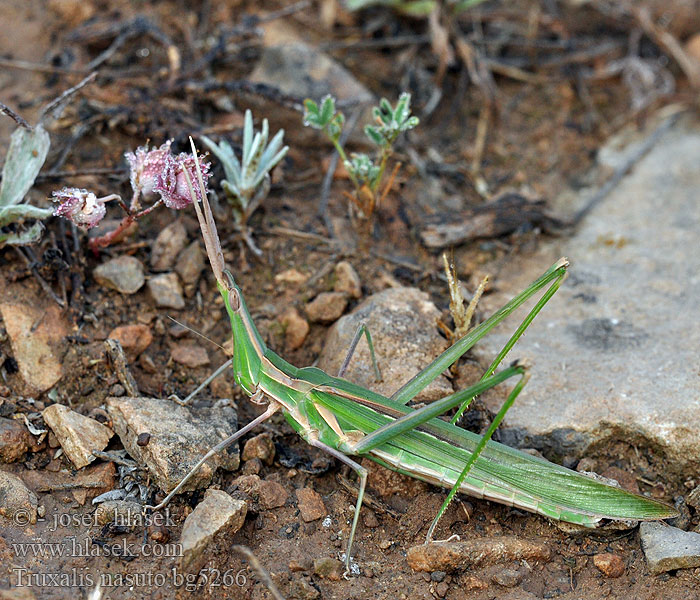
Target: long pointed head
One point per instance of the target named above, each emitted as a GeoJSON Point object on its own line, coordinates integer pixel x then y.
{"type": "Point", "coordinates": [224, 279]}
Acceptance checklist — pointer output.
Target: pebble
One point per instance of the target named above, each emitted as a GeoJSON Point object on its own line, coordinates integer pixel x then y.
{"type": "Point", "coordinates": [189, 266]}
{"type": "Point", "coordinates": [261, 446]}
{"type": "Point", "coordinates": [296, 328]}
{"type": "Point", "coordinates": [303, 590]}
{"type": "Point", "coordinates": [94, 480]}
{"type": "Point", "coordinates": [190, 355]}
{"type": "Point", "coordinates": [15, 440]}
{"type": "Point", "coordinates": [143, 438]}
{"type": "Point", "coordinates": [180, 435]}
{"type": "Point", "coordinates": [668, 548]}
{"type": "Point", "coordinates": [329, 568]}
{"type": "Point", "coordinates": [626, 479]}
{"type": "Point", "coordinates": [296, 566]}
{"type": "Point", "coordinates": [310, 504]}
{"type": "Point", "coordinates": [36, 332]}
{"type": "Point", "coordinates": [441, 589]}
{"type": "Point", "coordinates": [507, 577]}
{"type": "Point", "coordinates": [402, 324]}
{"type": "Point", "coordinates": [369, 518]}
{"type": "Point", "coordinates": [166, 291]}
{"type": "Point", "coordinates": [77, 434]}
{"type": "Point", "coordinates": [133, 338]}
{"type": "Point", "coordinates": [291, 277]}
{"type": "Point", "coordinates": [214, 520]}
{"type": "Point", "coordinates": [693, 498]}
{"type": "Point", "coordinates": [124, 274]}
{"type": "Point", "coordinates": [610, 565]}
{"type": "Point", "coordinates": [167, 246]}
{"type": "Point", "coordinates": [123, 513]}
{"type": "Point", "coordinates": [326, 307]}
{"type": "Point", "coordinates": [450, 556]}
{"type": "Point", "coordinates": [253, 466]}
{"type": "Point", "coordinates": [269, 494]}
{"type": "Point", "coordinates": [18, 501]}
{"type": "Point", "coordinates": [347, 280]}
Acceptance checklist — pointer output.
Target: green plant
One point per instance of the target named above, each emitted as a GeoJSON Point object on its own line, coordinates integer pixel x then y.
{"type": "Point", "coordinates": [365, 174]}
{"type": "Point", "coordinates": [247, 181]}
{"type": "Point", "coordinates": [25, 157]}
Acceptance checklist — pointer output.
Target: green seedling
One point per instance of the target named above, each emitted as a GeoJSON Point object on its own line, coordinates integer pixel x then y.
{"type": "Point", "coordinates": [365, 174]}
{"type": "Point", "coordinates": [247, 181]}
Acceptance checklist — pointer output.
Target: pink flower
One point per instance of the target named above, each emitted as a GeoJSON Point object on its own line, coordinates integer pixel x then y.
{"type": "Point", "coordinates": [146, 166]}
{"type": "Point", "coordinates": [80, 206]}
{"type": "Point", "coordinates": [171, 184]}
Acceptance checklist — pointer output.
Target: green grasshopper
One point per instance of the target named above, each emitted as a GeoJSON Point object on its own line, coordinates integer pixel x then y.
{"type": "Point", "coordinates": [345, 419]}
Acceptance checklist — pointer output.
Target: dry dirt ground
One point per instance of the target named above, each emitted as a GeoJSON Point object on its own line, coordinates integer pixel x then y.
{"type": "Point", "coordinates": [543, 140]}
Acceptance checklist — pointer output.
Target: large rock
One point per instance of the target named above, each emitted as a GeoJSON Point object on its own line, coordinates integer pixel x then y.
{"type": "Point", "coordinates": [615, 351]}
{"type": "Point", "coordinates": [78, 435]}
{"type": "Point", "coordinates": [401, 322]}
{"type": "Point", "coordinates": [669, 548]}
{"type": "Point", "coordinates": [179, 437]}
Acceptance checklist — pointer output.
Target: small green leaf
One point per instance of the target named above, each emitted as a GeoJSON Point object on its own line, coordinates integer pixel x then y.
{"type": "Point", "coordinates": [25, 157]}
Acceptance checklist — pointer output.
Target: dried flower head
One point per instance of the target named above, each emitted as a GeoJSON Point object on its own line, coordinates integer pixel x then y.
{"type": "Point", "coordinates": [79, 206]}
{"type": "Point", "coordinates": [147, 166]}
{"type": "Point", "coordinates": [171, 184]}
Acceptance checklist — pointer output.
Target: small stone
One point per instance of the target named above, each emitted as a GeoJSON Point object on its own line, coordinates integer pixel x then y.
{"type": "Point", "coordinates": [179, 437]}
{"type": "Point", "coordinates": [213, 522]}
{"type": "Point", "coordinates": [166, 291]}
{"type": "Point", "coordinates": [15, 440]}
{"type": "Point", "coordinates": [626, 479]}
{"type": "Point", "coordinates": [159, 533]}
{"type": "Point", "coordinates": [291, 277]}
{"type": "Point", "coordinates": [693, 498]}
{"type": "Point", "coordinates": [133, 338]}
{"type": "Point", "coordinates": [507, 577]}
{"type": "Point", "coordinates": [329, 568]}
{"type": "Point", "coordinates": [124, 274]}
{"type": "Point", "coordinates": [143, 439]}
{"type": "Point", "coordinates": [147, 364]}
{"type": "Point", "coordinates": [326, 307]}
{"type": "Point", "coordinates": [310, 504]}
{"type": "Point", "coordinates": [586, 465]}
{"type": "Point", "coordinates": [668, 548]}
{"type": "Point", "coordinates": [77, 434]}
{"type": "Point", "coordinates": [441, 589]}
{"type": "Point", "coordinates": [261, 446]}
{"type": "Point", "coordinates": [189, 266]}
{"type": "Point", "coordinates": [610, 565]}
{"type": "Point", "coordinates": [438, 576]}
{"type": "Point", "coordinates": [122, 513]}
{"type": "Point", "coordinates": [253, 466]}
{"type": "Point", "coordinates": [95, 479]}
{"type": "Point", "coordinates": [296, 566]}
{"type": "Point", "coordinates": [303, 590]}
{"type": "Point", "coordinates": [167, 246]}
{"type": "Point", "coordinates": [296, 328]}
{"type": "Point", "coordinates": [17, 501]}
{"type": "Point", "coordinates": [190, 355]}
{"type": "Point", "coordinates": [347, 280]}
{"type": "Point", "coordinates": [450, 556]}
{"type": "Point", "coordinates": [369, 519]}
{"type": "Point", "coordinates": [272, 494]}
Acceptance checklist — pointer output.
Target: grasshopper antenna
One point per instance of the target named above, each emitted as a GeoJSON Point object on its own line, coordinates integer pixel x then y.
{"type": "Point", "coordinates": [206, 220]}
